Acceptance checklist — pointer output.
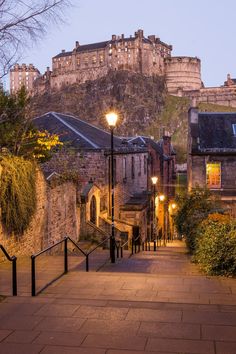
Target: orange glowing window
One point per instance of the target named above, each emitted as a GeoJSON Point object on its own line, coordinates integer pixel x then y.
{"type": "Point", "coordinates": [213, 175]}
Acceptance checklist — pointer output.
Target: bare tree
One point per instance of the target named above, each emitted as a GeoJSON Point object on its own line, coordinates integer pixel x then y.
{"type": "Point", "coordinates": [23, 22]}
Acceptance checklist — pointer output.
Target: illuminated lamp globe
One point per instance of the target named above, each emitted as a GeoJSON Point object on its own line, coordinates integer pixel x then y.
{"type": "Point", "coordinates": [154, 179]}
{"type": "Point", "coordinates": [111, 118]}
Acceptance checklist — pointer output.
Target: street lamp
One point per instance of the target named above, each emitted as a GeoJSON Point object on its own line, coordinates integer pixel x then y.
{"type": "Point", "coordinates": [162, 198]}
{"type": "Point", "coordinates": [111, 120]}
{"type": "Point", "coordinates": [154, 234]}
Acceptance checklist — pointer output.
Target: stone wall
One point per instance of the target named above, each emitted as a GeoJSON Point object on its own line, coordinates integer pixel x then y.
{"type": "Point", "coordinates": [225, 96]}
{"type": "Point", "coordinates": [56, 216]}
{"type": "Point", "coordinates": [32, 240]}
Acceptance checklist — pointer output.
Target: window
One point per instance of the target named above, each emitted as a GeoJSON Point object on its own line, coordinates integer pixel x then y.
{"type": "Point", "coordinates": [93, 210]}
{"type": "Point", "coordinates": [234, 129]}
{"type": "Point", "coordinates": [213, 175]}
{"type": "Point", "coordinates": [145, 165]}
{"type": "Point", "coordinates": [124, 168]}
{"type": "Point", "coordinates": [132, 167]}
{"type": "Point", "coordinates": [139, 166]}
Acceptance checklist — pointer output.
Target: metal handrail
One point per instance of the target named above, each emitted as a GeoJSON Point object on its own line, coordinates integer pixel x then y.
{"type": "Point", "coordinates": [134, 244]}
{"type": "Point", "coordinates": [65, 241]}
{"type": "Point", "coordinates": [12, 259]}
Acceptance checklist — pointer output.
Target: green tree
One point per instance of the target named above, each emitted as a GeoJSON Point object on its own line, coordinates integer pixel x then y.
{"type": "Point", "coordinates": [18, 136]}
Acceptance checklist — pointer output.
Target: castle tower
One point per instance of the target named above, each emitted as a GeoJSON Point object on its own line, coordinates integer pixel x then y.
{"type": "Point", "coordinates": [183, 74]}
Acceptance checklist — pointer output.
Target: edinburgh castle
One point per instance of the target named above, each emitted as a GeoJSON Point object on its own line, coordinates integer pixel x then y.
{"type": "Point", "coordinates": [148, 56]}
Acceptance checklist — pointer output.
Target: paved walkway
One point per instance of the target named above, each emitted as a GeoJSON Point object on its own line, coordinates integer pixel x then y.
{"type": "Point", "coordinates": [150, 303]}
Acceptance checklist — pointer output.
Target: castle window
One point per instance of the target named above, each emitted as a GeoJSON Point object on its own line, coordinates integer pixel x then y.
{"type": "Point", "coordinates": [94, 60]}
{"type": "Point", "coordinates": [101, 58]}
{"type": "Point", "coordinates": [119, 50]}
{"type": "Point", "coordinates": [213, 175]}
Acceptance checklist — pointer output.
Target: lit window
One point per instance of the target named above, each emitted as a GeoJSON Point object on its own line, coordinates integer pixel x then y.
{"type": "Point", "coordinates": [234, 129]}
{"type": "Point", "coordinates": [213, 175]}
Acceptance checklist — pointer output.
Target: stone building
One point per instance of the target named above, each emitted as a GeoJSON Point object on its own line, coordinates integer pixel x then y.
{"type": "Point", "coordinates": [145, 55]}
{"type": "Point", "coordinates": [23, 75]}
{"type": "Point", "coordinates": [86, 154]}
{"type": "Point", "coordinates": [212, 155]}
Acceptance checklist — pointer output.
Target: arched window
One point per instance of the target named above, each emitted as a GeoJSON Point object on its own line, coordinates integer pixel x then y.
{"type": "Point", "coordinates": [93, 210]}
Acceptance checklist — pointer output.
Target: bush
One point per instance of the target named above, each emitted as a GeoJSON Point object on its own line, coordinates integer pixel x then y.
{"type": "Point", "coordinates": [17, 193]}
{"type": "Point", "coordinates": [193, 208]}
{"type": "Point", "coordinates": [216, 245]}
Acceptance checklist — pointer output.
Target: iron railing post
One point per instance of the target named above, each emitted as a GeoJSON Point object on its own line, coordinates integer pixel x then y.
{"type": "Point", "coordinates": [154, 245]}
{"type": "Point", "coordinates": [14, 277]}
{"type": "Point", "coordinates": [33, 292]}
{"type": "Point", "coordinates": [65, 256]}
{"type": "Point", "coordinates": [87, 262]}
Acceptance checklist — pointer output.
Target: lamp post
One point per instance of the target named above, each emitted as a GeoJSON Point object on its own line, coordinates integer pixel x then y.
{"type": "Point", "coordinates": [154, 234]}
{"type": "Point", "coordinates": [162, 198]}
{"type": "Point", "coordinates": [111, 120]}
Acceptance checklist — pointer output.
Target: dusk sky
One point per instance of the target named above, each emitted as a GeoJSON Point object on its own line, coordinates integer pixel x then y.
{"type": "Point", "coordinates": [202, 28]}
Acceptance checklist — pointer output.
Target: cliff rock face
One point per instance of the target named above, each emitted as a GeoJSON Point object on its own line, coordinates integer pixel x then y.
{"type": "Point", "coordinates": [137, 98]}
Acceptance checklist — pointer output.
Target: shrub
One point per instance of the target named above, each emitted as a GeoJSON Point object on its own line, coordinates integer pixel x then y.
{"type": "Point", "coordinates": [193, 208]}
{"type": "Point", "coordinates": [216, 245]}
{"type": "Point", "coordinates": [17, 193]}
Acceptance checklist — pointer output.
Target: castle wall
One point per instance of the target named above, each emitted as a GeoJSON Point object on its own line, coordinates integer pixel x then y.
{"type": "Point", "coordinates": [183, 73]}
{"type": "Point", "coordinates": [225, 96]}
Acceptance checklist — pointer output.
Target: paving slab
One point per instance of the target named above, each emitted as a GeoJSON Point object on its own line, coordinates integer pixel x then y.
{"type": "Point", "coordinates": [153, 302]}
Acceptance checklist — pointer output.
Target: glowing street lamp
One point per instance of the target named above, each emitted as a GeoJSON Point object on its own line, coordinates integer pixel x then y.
{"type": "Point", "coordinates": [111, 118]}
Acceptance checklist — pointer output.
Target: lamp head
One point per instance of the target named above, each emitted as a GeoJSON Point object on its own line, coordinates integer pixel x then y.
{"type": "Point", "coordinates": [173, 205]}
{"type": "Point", "coordinates": [162, 197]}
{"type": "Point", "coordinates": [154, 180]}
{"type": "Point", "coordinates": [111, 118]}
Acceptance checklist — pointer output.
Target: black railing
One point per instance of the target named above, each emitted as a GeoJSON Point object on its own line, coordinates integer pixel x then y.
{"type": "Point", "coordinates": [65, 241]}
{"type": "Point", "coordinates": [12, 259]}
{"type": "Point", "coordinates": [147, 245]}
{"type": "Point", "coordinates": [120, 248]}
{"type": "Point", "coordinates": [136, 244]}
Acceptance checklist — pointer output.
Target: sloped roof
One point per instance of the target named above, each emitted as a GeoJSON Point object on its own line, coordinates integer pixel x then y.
{"type": "Point", "coordinates": [215, 132]}
{"type": "Point", "coordinates": [76, 132]}
{"type": "Point", "coordinates": [156, 145]}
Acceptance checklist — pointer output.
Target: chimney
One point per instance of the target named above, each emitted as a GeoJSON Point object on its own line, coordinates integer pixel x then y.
{"type": "Point", "coordinates": [113, 37]}
{"type": "Point", "coordinates": [152, 38]}
{"type": "Point", "coordinates": [139, 34]}
{"type": "Point", "coordinates": [63, 51]}
{"type": "Point", "coordinates": [77, 44]}
{"type": "Point", "coordinates": [122, 36]}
